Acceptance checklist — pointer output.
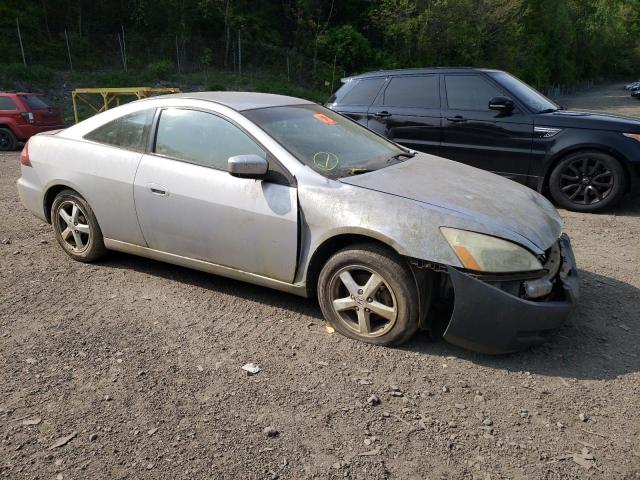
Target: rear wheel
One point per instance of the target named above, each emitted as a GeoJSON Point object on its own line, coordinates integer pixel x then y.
{"type": "Point", "coordinates": [588, 181]}
{"type": "Point", "coordinates": [8, 140]}
{"type": "Point", "coordinates": [368, 293]}
{"type": "Point", "coordinates": [76, 228]}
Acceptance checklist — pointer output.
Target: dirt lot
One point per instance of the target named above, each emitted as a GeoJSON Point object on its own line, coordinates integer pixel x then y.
{"type": "Point", "coordinates": [138, 365]}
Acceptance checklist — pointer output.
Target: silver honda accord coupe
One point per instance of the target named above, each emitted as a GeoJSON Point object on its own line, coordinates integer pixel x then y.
{"type": "Point", "coordinates": [284, 193]}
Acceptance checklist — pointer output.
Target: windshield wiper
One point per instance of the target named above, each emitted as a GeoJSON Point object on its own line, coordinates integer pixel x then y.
{"type": "Point", "coordinates": [359, 170]}
{"type": "Point", "coordinates": [402, 154]}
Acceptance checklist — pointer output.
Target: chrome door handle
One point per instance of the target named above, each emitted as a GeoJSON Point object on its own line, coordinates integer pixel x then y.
{"type": "Point", "coordinates": [382, 114]}
{"type": "Point", "coordinates": [457, 118]}
{"type": "Point", "coordinates": [157, 189]}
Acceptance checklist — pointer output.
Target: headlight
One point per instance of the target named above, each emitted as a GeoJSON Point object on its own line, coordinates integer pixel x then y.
{"type": "Point", "coordinates": [634, 136]}
{"type": "Point", "coordinates": [484, 253]}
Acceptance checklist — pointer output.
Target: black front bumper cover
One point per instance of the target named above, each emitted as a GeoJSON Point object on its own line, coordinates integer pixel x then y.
{"type": "Point", "coordinates": [487, 319]}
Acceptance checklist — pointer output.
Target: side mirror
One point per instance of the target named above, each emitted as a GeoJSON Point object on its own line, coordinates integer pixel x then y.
{"type": "Point", "coordinates": [501, 104]}
{"type": "Point", "coordinates": [247, 166]}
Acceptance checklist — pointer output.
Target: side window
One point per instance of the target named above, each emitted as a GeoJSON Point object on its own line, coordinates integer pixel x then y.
{"type": "Point", "coordinates": [362, 93]}
{"type": "Point", "coordinates": [36, 102]}
{"type": "Point", "coordinates": [130, 132]}
{"type": "Point", "coordinates": [417, 92]}
{"type": "Point", "coordinates": [469, 92]}
{"type": "Point", "coordinates": [201, 138]}
{"type": "Point", "coordinates": [6, 103]}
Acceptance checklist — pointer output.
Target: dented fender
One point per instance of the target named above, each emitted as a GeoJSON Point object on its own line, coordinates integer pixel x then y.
{"type": "Point", "coordinates": [330, 208]}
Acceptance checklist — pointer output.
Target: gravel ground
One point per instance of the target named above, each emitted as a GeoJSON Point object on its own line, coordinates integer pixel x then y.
{"type": "Point", "coordinates": [130, 368]}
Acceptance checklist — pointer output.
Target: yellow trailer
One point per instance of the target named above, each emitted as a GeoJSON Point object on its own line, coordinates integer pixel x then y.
{"type": "Point", "coordinates": [112, 96]}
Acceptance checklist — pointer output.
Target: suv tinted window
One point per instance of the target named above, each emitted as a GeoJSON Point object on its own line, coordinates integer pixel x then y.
{"type": "Point", "coordinates": [362, 93]}
{"type": "Point", "coordinates": [469, 92]}
{"type": "Point", "coordinates": [202, 138]}
{"type": "Point", "coordinates": [129, 132]}
{"type": "Point", "coordinates": [418, 92]}
{"type": "Point", "coordinates": [6, 103]}
{"type": "Point", "coordinates": [36, 102]}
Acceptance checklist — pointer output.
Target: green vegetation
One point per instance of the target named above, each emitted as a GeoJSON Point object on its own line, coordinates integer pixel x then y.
{"type": "Point", "coordinates": [17, 72]}
{"type": "Point", "coordinates": [158, 73]}
{"type": "Point", "coordinates": [161, 70]}
{"type": "Point", "coordinates": [303, 47]}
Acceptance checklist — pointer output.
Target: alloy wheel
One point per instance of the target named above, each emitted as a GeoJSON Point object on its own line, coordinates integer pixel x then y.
{"type": "Point", "coordinates": [586, 181]}
{"type": "Point", "coordinates": [5, 141]}
{"type": "Point", "coordinates": [73, 226]}
{"type": "Point", "coordinates": [363, 301]}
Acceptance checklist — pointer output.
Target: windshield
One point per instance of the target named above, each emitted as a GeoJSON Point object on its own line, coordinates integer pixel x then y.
{"type": "Point", "coordinates": [528, 95]}
{"type": "Point", "coordinates": [329, 143]}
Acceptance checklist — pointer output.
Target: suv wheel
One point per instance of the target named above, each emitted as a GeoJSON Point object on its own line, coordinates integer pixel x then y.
{"type": "Point", "coordinates": [588, 181]}
{"type": "Point", "coordinates": [76, 228]}
{"type": "Point", "coordinates": [368, 293]}
{"type": "Point", "coordinates": [8, 140]}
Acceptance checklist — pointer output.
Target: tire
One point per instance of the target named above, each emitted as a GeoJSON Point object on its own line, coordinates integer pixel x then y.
{"type": "Point", "coordinates": [8, 140]}
{"type": "Point", "coordinates": [395, 296]}
{"type": "Point", "coordinates": [80, 237]}
{"type": "Point", "coordinates": [588, 181]}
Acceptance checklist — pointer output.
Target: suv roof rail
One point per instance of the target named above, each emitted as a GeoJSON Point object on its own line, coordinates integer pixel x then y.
{"type": "Point", "coordinates": [413, 71]}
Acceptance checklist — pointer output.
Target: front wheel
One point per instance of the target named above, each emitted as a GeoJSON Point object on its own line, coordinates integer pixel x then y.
{"type": "Point", "coordinates": [368, 293]}
{"type": "Point", "coordinates": [588, 181]}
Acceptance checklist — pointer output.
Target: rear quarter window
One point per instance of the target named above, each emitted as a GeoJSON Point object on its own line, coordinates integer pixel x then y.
{"type": "Point", "coordinates": [7, 103]}
{"type": "Point", "coordinates": [362, 92]}
{"type": "Point", "coordinates": [130, 132]}
{"type": "Point", "coordinates": [35, 102]}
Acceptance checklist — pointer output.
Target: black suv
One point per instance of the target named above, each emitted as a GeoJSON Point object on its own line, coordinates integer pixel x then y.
{"type": "Point", "coordinates": [492, 120]}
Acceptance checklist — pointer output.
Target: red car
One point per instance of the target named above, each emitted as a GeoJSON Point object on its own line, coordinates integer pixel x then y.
{"type": "Point", "coordinates": [22, 115]}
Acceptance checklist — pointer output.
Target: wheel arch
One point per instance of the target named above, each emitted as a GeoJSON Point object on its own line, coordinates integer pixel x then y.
{"type": "Point", "coordinates": [561, 155]}
{"type": "Point", "coordinates": [12, 131]}
{"type": "Point", "coordinates": [7, 125]}
{"type": "Point", "coordinates": [330, 246]}
{"type": "Point", "coordinates": [51, 193]}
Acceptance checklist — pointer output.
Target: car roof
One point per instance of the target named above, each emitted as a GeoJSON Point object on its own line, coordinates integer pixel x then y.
{"type": "Point", "coordinates": [242, 100]}
{"type": "Point", "coordinates": [417, 71]}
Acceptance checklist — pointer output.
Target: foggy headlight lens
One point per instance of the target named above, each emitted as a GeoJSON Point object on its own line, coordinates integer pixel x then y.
{"type": "Point", "coordinates": [484, 253]}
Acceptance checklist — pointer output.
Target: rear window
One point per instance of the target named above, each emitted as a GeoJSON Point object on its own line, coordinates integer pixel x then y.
{"type": "Point", "coordinates": [7, 103]}
{"type": "Point", "coordinates": [358, 92]}
{"type": "Point", "coordinates": [416, 92]}
{"type": "Point", "coordinates": [35, 102]}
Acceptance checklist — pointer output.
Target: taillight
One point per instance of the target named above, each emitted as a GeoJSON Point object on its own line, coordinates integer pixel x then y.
{"type": "Point", "coordinates": [24, 156]}
{"type": "Point", "coordinates": [28, 117]}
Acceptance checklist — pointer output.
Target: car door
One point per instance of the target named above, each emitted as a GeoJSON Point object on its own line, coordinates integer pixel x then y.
{"type": "Point", "coordinates": [188, 205]}
{"type": "Point", "coordinates": [103, 167]}
{"type": "Point", "coordinates": [408, 112]}
{"type": "Point", "coordinates": [484, 138]}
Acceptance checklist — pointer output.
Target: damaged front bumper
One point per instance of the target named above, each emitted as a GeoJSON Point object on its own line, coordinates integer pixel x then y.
{"type": "Point", "coordinates": [497, 317]}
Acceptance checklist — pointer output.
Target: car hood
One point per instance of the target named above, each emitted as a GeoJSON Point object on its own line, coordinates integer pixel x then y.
{"type": "Point", "coordinates": [590, 120]}
{"type": "Point", "coordinates": [488, 199]}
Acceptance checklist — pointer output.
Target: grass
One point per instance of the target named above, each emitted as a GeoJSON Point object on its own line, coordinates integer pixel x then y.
{"type": "Point", "coordinates": [160, 74]}
{"type": "Point", "coordinates": [14, 75]}
{"type": "Point", "coordinates": [58, 85]}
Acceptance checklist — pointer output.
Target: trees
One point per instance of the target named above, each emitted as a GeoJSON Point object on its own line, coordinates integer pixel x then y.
{"type": "Point", "coordinates": [544, 41]}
